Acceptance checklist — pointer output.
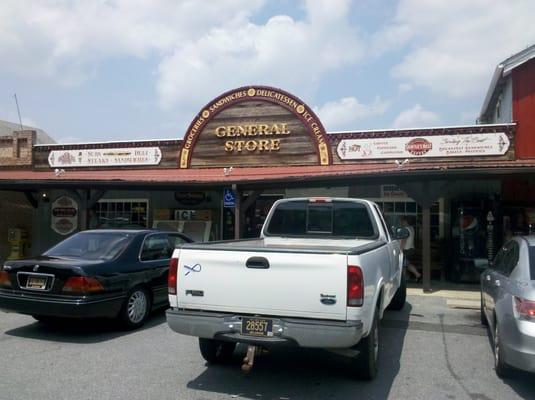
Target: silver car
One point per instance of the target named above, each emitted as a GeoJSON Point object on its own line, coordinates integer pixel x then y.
{"type": "Point", "coordinates": [508, 305]}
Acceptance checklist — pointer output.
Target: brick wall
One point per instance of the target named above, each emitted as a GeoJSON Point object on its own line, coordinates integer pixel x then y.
{"type": "Point", "coordinates": [16, 149]}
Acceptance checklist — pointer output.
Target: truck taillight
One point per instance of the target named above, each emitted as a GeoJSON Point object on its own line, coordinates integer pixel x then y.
{"type": "Point", "coordinates": [355, 286]}
{"type": "Point", "coordinates": [320, 200]}
{"type": "Point", "coordinates": [173, 275]}
{"type": "Point", "coordinates": [82, 284]}
{"type": "Point", "coordinates": [525, 308]}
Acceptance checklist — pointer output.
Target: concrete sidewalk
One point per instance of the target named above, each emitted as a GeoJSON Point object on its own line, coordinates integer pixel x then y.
{"type": "Point", "coordinates": [457, 295]}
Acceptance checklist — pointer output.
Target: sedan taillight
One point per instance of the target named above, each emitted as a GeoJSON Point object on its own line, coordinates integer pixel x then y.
{"type": "Point", "coordinates": [525, 308]}
{"type": "Point", "coordinates": [5, 282]}
{"type": "Point", "coordinates": [172, 278]}
{"type": "Point", "coordinates": [82, 284]}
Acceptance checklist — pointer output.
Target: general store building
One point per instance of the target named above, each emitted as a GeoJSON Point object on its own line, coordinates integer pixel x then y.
{"type": "Point", "coordinates": [255, 144]}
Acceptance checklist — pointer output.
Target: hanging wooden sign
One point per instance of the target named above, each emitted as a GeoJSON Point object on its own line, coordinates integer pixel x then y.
{"type": "Point", "coordinates": [255, 126]}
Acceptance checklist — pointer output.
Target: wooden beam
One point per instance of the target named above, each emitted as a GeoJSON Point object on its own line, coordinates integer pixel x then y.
{"type": "Point", "coordinates": [426, 248]}
{"type": "Point", "coordinates": [249, 200]}
{"type": "Point", "coordinates": [31, 199]}
{"type": "Point", "coordinates": [94, 197]}
{"type": "Point", "coordinates": [237, 212]}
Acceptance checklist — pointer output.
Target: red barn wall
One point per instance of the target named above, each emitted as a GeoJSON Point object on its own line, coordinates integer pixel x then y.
{"type": "Point", "coordinates": [524, 109]}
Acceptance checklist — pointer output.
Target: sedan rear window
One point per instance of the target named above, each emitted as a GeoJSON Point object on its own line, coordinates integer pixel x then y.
{"type": "Point", "coordinates": [91, 246]}
{"type": "Point", "coordinates": [336, 219]}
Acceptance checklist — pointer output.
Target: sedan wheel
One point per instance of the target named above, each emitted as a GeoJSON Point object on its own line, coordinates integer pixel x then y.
{"type": "Point", "coordinates": [136, 308]}
{"type": "Point", "coordinates": [499, 364]}
{"type": "Point", "coordinates": [483, 316]}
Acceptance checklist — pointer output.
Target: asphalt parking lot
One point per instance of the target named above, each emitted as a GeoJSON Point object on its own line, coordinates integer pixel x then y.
{"type": "Point", "coordinates": [428, 351]}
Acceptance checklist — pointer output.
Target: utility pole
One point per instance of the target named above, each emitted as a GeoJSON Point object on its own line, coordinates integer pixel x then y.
{"type": "Point", "coordinates": [18, 111]}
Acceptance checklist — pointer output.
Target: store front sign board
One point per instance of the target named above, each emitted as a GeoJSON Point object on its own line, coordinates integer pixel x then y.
{"type": "Point", "coordinates": [106, 157]}
{"type": "Point", "coordinates": [469, 145]}
{"type": "Point", "coordinates": [64, 218]}
{"type": "Point", "coordinates": [255, 126]}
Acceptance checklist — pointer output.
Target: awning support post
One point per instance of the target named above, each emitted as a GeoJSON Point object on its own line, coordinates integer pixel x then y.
{"type": "Point", "coordinates": [237, 212]}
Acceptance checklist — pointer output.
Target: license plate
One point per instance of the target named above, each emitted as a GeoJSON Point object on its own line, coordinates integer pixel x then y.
{"type": "Point", "coordinates": [36, 282]}
{"type": "Point", "coordinates": [256, 327]}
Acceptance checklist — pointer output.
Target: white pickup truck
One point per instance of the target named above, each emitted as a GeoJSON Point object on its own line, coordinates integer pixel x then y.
{"type": "Point", "coordinates": [321, 275]}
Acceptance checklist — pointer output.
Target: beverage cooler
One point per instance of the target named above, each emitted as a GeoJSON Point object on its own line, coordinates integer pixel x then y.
{"type": "Point", "coordinates": [475, 234]}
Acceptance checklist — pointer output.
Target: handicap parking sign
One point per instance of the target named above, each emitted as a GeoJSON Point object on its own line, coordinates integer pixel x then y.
{"type": "Point", "coordinates": [229, 199]}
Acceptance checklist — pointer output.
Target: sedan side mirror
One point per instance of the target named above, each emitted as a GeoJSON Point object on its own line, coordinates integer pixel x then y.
{"type": "Point", "coordinates": [401, 233]}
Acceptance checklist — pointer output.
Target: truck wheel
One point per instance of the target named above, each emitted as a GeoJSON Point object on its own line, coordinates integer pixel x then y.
{"type": "Point", "coordinates": [398, 301]}
{"type": "Point", "coordinates": [366, 363]}
{"type": "Point", "coordinates": [216, 351]}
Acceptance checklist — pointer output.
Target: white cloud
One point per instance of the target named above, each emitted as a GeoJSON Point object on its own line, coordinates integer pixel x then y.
{"type": "Point", "coordinates": [66, 40]}
{"type": "Point", "coordinates": [415, 117]}
{"type": "Point", "coordinates": [453, 46]}
{"type": "Point", "coordinates": [294, 54]}
{"type": "Point", "coordinates": [201, 49]}
{"type": "Point", "coordinates": [405, 87]}
{"type": "Point", "coordinates": [344, 114]}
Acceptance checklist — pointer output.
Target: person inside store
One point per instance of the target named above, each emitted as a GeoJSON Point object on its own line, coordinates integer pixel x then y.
{"type": "Point", "coordinates": [407, 246]}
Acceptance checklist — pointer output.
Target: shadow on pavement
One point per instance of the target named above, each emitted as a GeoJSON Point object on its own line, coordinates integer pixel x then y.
{"type": "Point", "coordinates": [293, 373]}
{"type": "Point", "coordinates": [523, 383]}
{"type": "Point", "coordinates": [81, 331]}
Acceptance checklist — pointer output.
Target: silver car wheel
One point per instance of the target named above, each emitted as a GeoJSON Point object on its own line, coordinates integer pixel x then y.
{"type": "Point", "coordinates": [137, 306]}
{"type": "Point", "coordinates": [496, 345]}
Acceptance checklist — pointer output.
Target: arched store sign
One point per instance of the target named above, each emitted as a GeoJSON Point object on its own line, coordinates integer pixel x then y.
{"type": "Point", "coordinates": [255, 126]}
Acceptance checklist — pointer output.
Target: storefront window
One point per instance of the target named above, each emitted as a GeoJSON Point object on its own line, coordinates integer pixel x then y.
{"type": "Point", "coordinates": [394, 210]}
{"type": "Point", "coordinates": [119, 214]}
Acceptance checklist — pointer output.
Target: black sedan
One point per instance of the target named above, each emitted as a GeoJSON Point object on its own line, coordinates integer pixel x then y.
{"type": "Point", "coordinates": [98, 273]}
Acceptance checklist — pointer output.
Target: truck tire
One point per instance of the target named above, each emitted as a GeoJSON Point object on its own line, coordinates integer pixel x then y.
{"type": "Point", "coordinates": [216, 351]}
{"type": "Point", "coordinates": [398, 301]}
{"type": "Point", "coordinates": [366, 362]}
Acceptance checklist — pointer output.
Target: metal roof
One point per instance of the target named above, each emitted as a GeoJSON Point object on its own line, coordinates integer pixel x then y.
{"type": "Point", "coordinates": [252, 175]}
{"type": "Point", "coordinates": [502, 70]}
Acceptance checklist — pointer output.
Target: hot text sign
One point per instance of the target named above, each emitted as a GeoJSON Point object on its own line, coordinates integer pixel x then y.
{"type": "Point", "coordinates": [468, 145]}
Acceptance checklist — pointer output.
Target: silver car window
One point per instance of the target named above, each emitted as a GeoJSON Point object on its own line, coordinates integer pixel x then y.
{"type": "Point", "coordinates": [507, 258]}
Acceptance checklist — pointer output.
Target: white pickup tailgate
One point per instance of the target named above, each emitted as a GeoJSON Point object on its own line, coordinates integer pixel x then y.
{"type": "Point", "coordinates": [292, 286]}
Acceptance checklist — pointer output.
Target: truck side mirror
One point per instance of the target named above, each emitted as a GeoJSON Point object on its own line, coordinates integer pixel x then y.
{"type": "Point", "coordinates": [401, 233]}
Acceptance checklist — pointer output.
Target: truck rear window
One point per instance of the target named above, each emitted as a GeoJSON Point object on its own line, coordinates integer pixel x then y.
{"type": "Point", "coordinates": [338, 219]}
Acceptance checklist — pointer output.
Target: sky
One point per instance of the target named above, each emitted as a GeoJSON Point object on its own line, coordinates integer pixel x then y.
{"type": "Point", "coordinates": [106, 70]}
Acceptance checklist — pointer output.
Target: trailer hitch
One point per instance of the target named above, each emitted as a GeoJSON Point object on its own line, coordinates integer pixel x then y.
{"type": "Point", "coordinates": [248, 360]}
